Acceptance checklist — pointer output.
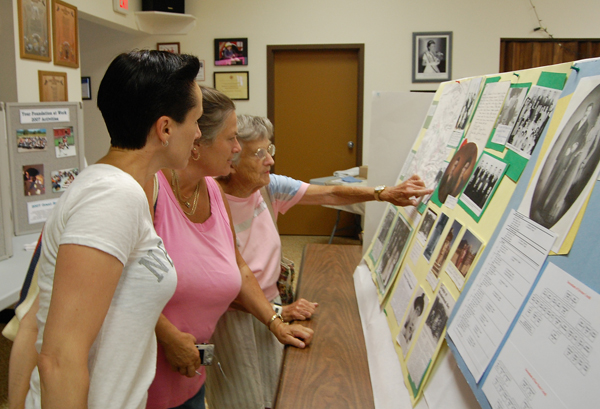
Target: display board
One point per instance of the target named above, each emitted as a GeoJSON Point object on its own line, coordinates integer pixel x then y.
{"type": "Point", "coordinates": [5, 221]}
{"type": "Point", "coordinates": [479, 136]}
{"type": "Point", "coordinates": [45, 149]}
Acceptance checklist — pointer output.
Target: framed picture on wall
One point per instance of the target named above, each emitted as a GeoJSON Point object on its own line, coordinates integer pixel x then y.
{"type": "Point", "coordinates": [65, 34]}
{"type": "Point", "coordinates": [231, 51]}
{"type": "Point", "coordinates": [233, 84]}
{"type": "Point", "coordinates": [34, 29]}
{"type": "Point", "coordinates": [432, 57]}
{"type": "Point", "coordinates": [170, 47]}
{"type": "Point", "coordinates": [53, 86]}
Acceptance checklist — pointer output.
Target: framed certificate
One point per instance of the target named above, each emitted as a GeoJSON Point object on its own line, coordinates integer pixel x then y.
{"type": "Point", "coordinates": [65, 34]}
{"type": "Point", "coordinates": [34, 29]}
{"type": "Point", "coordinates": [53, 86]}
{"type": "Point", "coordinates": [234, 84]}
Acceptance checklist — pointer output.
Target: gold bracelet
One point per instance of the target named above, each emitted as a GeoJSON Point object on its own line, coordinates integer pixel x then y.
{"type": "Point", "coordinates": [273, 318]}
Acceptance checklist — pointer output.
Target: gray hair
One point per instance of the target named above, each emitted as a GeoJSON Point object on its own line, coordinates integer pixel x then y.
{"type": "Point", "coordinates": [252, 128]}
{"type": "Point", "coordinates": [217, 108]}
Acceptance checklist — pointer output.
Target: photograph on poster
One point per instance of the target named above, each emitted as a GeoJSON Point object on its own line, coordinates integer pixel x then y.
{"type": "Point", "coordinates": [34, 29]}
{"type": "Point", "coordinates": [399, 301]}
{"type": "Point", "coordinates": [458, 171]}
{"type": "Point", "coordinates": [231, 51]}
{"type": "Point", "coordinates": [33, 180]}
{"type": "Point", "coordinates": [483, 183]}
{"type": "Point", "coordinates": [469, 104]}
{"type": "Point", "coordinates": [61, 179]}
{"type": "Point", "coordinates": [64, 142]}
{"type": "Point", "coordinates": [394, 248]}
{"type": "Point", "coordinates": [537, 110]}
{"type": "Point", "coordinates": [384, 229]}
{"type": "Point", "coordinates": [419, 304]}
{"type": "Point", "coordinates": [566, 174]}
{"type": "Point", "coordinates": [31, 140]}
{"type": "Point", "coordinates": [466, 252]}
{"type": "Point", "coordinates": [426, 225]}
{"type": "Point", "coordinates": [425, 199]}
{"type": "Point", "coordinates": [446, 246]}
{"type": "Point", "coordinates": [435, 236]}
{"type": "Point", "coordinates": [430, 339]}
{"type": "Point", "coordinates": [509, 114]}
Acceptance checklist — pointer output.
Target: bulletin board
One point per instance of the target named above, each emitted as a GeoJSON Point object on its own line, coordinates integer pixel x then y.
{"type": "Point", "coordinates": [422, 258]}
{"type": "Point", "coordinates": [46, 152]}
{"type": "Point", "coordinates": [5, 221]}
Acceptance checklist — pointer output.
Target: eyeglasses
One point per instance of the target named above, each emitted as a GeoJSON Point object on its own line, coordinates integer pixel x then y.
{"type": "Point", "coordinates": [261, 153]}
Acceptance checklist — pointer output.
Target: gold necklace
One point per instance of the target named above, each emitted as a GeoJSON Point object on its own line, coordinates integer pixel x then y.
{"type": "Point", "coordinates": [185, 202]}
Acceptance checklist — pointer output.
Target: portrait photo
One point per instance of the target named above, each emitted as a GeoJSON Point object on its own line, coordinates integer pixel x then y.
{"type": "Point", "coordinates": [31, 140]}
{"type": "Point", "coordinates": [483, 183]}
{"type": "Point", "coordinates": [535, 113]}
{"type": "Point", "coordinates": [33, 180]}
{"type": "Point", "coordinates": [469, 104]}
{"type": "Point", "coordinates": [231, 51]}
{"type": "Point", "coordinates": [572, 160]}
{"type": "Point", "coordinates": [432, 57]}
{"type": "Point", "coordinates": [416, 309]}
{"type": "Point", "coordinates": [394, 249]}
{"type": "Point", "coordinates": [384, 229]}
{"type": "Point", "coordinates": [458, 172]}
{"type": "Point", "coordinates": [426, 225]}
{"type": "Point", "coordinates": [435, 236]}
{"type": "Point", "coordinates": [446, 246]}
{"type": "Point", "coordinates": [465, 253]}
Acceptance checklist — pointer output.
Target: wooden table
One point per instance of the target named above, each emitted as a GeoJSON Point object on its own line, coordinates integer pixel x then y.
{"type": "Point", "coordinates": [333, 371]}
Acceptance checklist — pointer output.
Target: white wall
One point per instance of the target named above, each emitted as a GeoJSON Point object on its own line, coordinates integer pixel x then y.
{"type": "Point", "coordinates": [384, 26]}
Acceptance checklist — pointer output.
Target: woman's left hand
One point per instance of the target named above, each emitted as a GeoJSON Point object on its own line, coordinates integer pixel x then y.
{"type": "Point", "coordinates": [406, 193]}
{"type": "Point", "coordinates": [291, 334]}
{"type": "Point", "coordinates": [299, 310]}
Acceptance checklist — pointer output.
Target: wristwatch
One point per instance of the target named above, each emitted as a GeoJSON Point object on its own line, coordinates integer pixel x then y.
{"type": "Point", "coordinates": [378, 191]}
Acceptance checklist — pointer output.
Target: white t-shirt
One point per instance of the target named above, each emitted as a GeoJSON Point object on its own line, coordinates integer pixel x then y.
{"type": "Point", "coordinates": [105, 208]}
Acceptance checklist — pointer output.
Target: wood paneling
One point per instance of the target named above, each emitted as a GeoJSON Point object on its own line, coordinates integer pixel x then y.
{"type": "Point", "coordinates": [333, 371]}
{"type": "Point", "coordinates": [520, 54]}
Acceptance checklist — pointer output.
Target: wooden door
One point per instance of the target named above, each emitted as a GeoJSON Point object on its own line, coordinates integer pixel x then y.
{"type": "Point", "coordinates": [315, 102]}
{"type": "Point", "coordinates": [522, 53]}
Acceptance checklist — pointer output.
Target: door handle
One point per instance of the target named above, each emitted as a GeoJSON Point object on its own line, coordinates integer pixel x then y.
{"type": "Point", "coordinates": [350, 145]}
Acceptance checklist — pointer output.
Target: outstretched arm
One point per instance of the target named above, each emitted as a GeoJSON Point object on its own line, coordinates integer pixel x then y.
{"type": "Point", "coordinates": [404, 194]}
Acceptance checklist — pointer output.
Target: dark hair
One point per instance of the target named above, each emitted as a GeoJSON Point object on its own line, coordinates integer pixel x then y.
{"type": "Point", "coordinates": [217, 107]}
{"type": "Point", "coordinates": [419, 302]}
{"type": "Point", "coordinates": [141, 86]}
{"type": "Point", "coordinates": [429, 43]}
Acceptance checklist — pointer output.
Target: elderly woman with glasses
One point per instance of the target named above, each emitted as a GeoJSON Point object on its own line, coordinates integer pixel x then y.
{"type": "Point", "coordinates": [249, 355]}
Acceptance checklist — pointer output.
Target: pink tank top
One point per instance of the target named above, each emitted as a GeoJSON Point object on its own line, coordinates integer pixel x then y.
{"type": "Point", "coordinates": [208, 279]}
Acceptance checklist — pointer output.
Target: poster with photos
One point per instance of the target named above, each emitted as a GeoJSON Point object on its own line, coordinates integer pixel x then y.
{"type": "Point", "coordinates": [31, 140]}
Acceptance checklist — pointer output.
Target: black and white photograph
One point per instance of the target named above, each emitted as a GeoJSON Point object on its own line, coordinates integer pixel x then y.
{"type": "Point", "coordinates": [61, 179]}
{"type": "Point", "coordinates": [432, 57]}
{"type": "Point", "coordinates": [446, 246]}
{"type": "Point", "coordinates": [435, 236]}
{"type": "Point", "coordinates": [425, 199]}
{"type": "Point", "coordinates": [416, 312]}
{"type": "Point", "coordinates": [31, 140]}
{"type": "Point", "coordinates": [384, 229]}
{"type": "Point", "coordinates": [536, 112]}
{"type": "Point", "coordinates": [570, 167]}
{"type": "Point", "coordinates": [33, 180]}
{"type": "Point", "coordinates": [509, 114]}
{"type": "Point", "coordinates": [394, 249]}
{"type": "Point", "coordinates": [426, 225]}
{"type": "Point", "coordinates": [469, 104]}
{"type": "Point", "coordinates": [439, 314]}
{"type": "Point", "coordinates": [483, 183]}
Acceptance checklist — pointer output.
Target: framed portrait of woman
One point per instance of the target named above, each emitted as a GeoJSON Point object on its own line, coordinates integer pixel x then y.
{"type": "Point", "coordinates": [34, 29]}
{"type": "Point", "coordinates": [432, 57]}
{"type": "Point", "coordinates": [64, 34]}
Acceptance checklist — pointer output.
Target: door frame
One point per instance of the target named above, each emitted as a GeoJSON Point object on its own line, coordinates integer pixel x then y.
{"type": "Point", "coordinates": [359, 48]}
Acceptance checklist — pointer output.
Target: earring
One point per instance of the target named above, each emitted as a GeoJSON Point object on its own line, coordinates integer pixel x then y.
{"type": "Point", "coordinates": [198, 154]}
{"type": "Point", "coordinates": [165, 143]}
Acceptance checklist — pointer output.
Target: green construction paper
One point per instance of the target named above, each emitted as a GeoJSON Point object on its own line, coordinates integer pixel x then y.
{"type": "Point", "coordinates": [429, 118]}
{"type": "Point", "coordinates": [555, 80]}
{"type": "Point", "coordinates": [516, 165]}
{"type": "Point", "coordinates": [496, 146]}
{"type": "Point", "coordinates": [492, 79]}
